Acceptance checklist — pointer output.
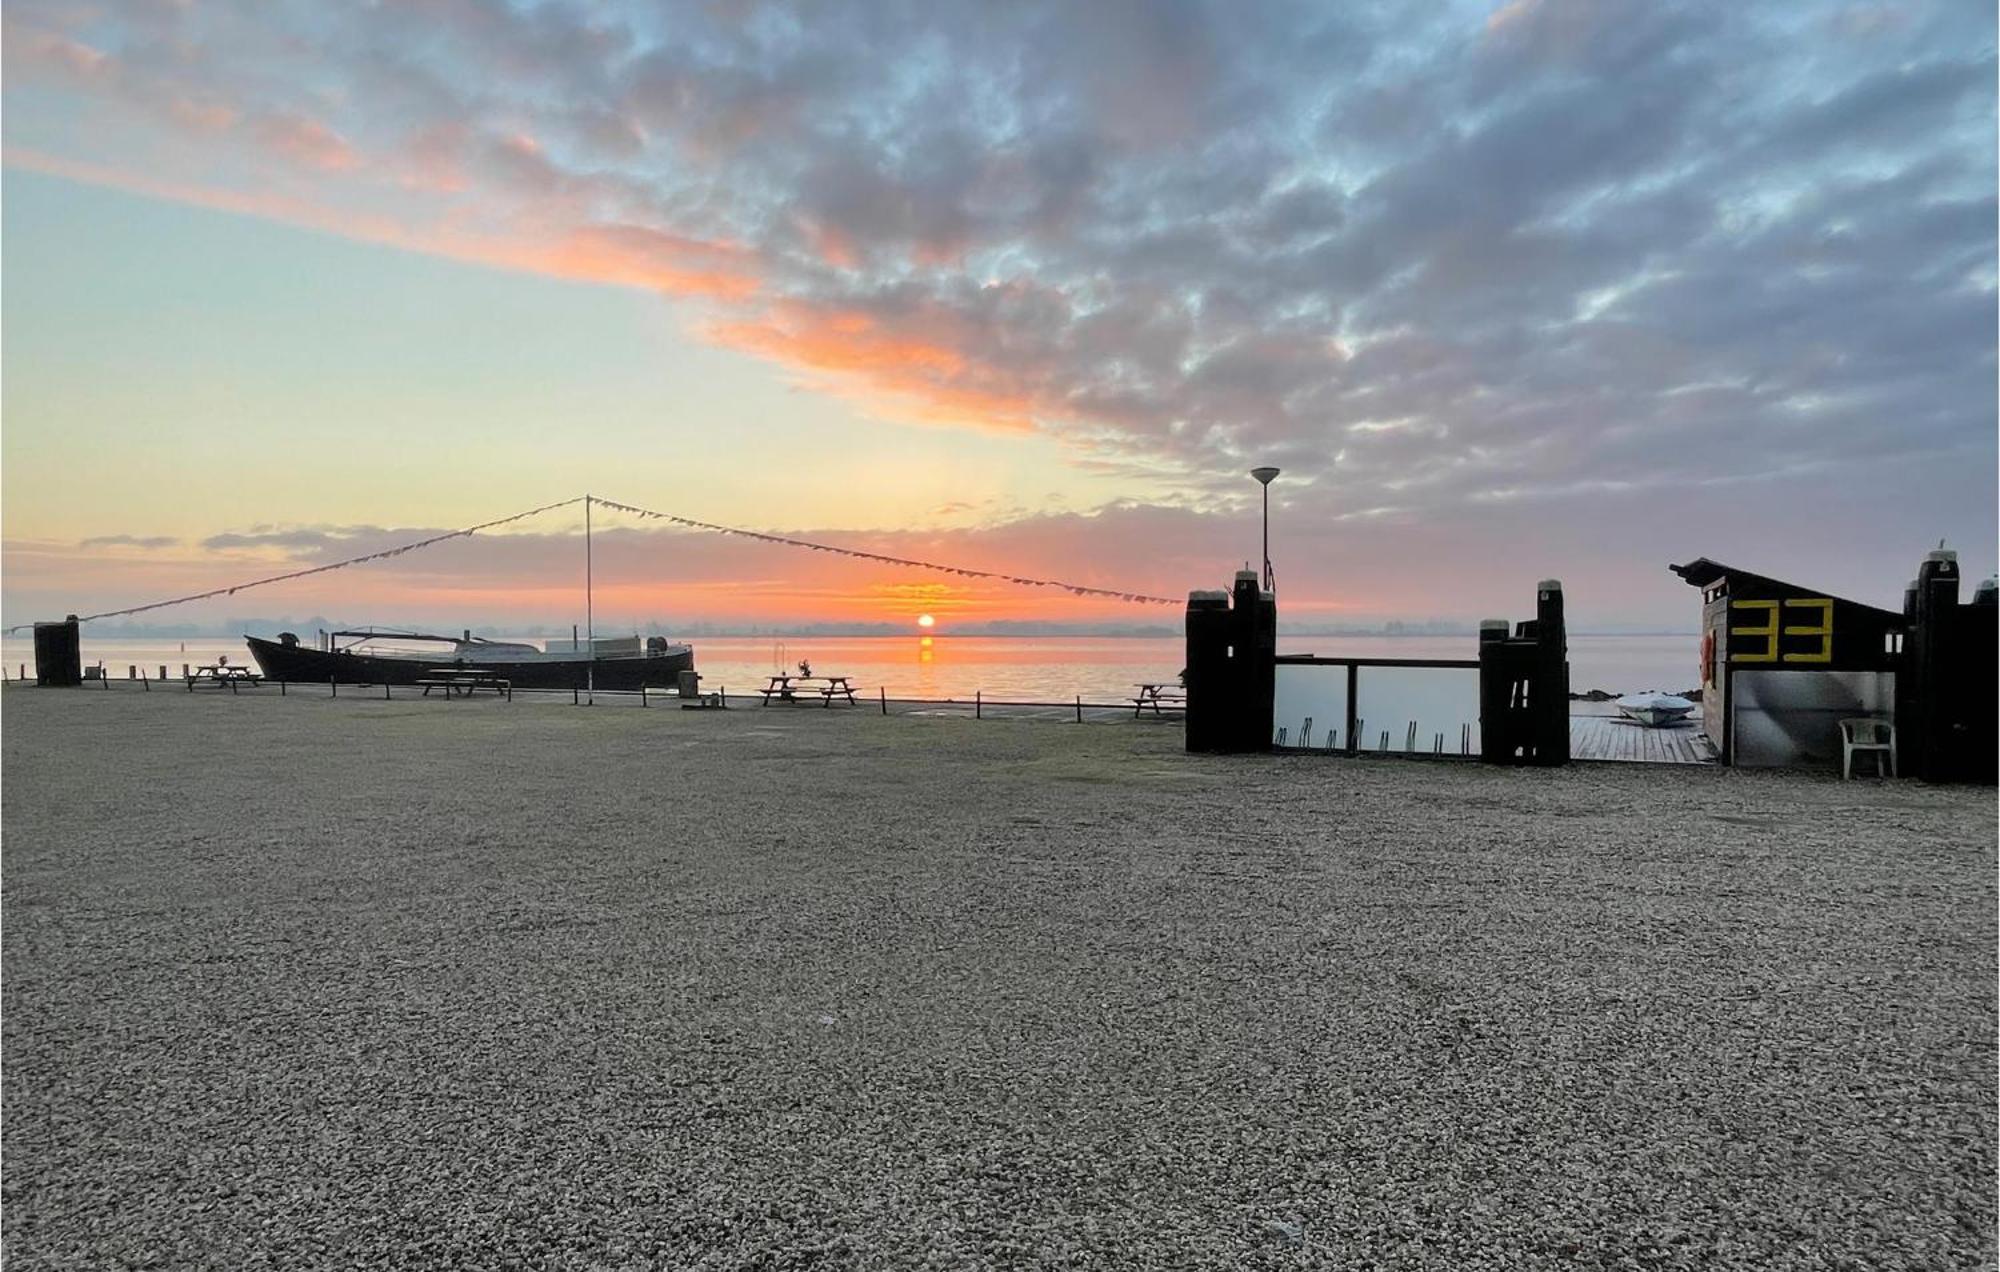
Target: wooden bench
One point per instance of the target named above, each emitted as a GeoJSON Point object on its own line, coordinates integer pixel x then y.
{"type": "Point", "coordinates": [1161, 698]}
{"type": "Point", "coordinates": [220, 674]}
{"type": "Point", "coordinates": [455, 679]}
{"type": "Point", "coordinates": [785, 688]}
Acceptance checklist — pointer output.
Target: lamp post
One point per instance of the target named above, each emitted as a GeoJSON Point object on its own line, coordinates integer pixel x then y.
{"type": "Point", "coordinates": [1264, 476]}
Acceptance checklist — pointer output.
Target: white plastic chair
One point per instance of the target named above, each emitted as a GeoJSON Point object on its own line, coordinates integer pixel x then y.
{"type": "Point", "coordinates": [1867, 733]}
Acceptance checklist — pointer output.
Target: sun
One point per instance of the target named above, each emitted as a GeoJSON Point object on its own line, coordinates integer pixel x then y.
{"type": "Point", "coordinates": [925, 620]}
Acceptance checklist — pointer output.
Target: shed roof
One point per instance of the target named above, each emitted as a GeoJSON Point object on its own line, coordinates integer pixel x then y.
{"type": "Point", "coordinates": [1702, 572]}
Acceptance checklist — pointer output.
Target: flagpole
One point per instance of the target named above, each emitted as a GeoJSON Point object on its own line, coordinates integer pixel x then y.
{"type": "Point", "coordinates": [589, 612]}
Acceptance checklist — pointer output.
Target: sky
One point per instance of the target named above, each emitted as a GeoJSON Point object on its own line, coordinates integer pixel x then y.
{"type": "Point", "coordinates": [1550, 288]}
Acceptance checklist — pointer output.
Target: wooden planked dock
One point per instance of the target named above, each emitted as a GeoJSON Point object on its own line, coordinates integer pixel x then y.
{"type": "Point", "coordinates": [1598, 732]}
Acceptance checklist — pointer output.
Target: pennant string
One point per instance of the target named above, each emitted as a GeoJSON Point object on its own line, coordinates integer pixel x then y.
{"type": "Point", "coordinates": [1074, 589]}
{"type": "Point", "coordinates": [321, 569]}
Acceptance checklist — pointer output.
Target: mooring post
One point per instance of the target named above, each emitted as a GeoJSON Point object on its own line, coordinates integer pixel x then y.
{"type": "Point", "coordinates": [574, 698]}
{"type": "Point", "coordinates": [1209, 684]}
{"type": "Point", "coordinates": [1079, 708]}
{"type": "Point", "coordinates": [642, 695]}
{"type": "Point", "coordinates": [883, 690]}
{"type": "Point", "coordinates": [333, 684]}
{"type": "Point", "coordinates": [1550, 703]}
{"type": "Point", "coordinates": [977, 705]}
{"type": "Point", "coordinates": [1496, 734]}
{"type": "Point", "coordinates": [385, 691]}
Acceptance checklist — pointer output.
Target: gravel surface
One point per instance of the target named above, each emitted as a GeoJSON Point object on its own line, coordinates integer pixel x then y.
{"type": "Point", "coordinates": [297, 983]}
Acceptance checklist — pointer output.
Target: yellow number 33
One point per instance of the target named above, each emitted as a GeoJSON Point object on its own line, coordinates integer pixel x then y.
{"type": "Point", "coordinates": [1770, 631]}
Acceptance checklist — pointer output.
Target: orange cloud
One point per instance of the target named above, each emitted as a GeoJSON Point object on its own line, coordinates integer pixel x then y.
{"type": "Point", "coordinates": [867, 358]}
{"type": "Point", "coordinates": [614, 255]}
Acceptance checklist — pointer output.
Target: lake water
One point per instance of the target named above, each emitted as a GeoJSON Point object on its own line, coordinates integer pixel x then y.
{"type": "Point", "coordinates": [1055, 669]}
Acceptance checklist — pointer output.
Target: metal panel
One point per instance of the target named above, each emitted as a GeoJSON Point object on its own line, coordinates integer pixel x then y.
{"type": "Point", "coordinates": [1792, 718]}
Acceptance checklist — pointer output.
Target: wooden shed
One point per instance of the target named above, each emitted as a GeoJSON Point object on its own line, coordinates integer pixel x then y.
{"type": "Point", "coordinates": [1783, 664]}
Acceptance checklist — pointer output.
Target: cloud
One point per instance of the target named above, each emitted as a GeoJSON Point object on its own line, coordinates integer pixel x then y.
{"type": "Point", "coordinates": [129, 541]}
{"type": "Point", "coordinates": [1424, 258]}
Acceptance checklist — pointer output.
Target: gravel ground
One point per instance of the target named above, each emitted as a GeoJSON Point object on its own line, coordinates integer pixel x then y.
{"type": "Point", "coordinates": [297, 982]}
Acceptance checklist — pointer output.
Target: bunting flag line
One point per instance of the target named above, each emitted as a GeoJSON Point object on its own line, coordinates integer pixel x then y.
{"type": "Point", "coordinates": [321, 569]}
{"type": "Point", "coordinates": [1074, 589]}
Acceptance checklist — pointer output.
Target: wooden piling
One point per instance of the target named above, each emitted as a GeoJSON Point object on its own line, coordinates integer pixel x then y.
{"type": "Point", "coordinates": [978, 705]}
{"type": "Point", "coordinates": [1079, 708]}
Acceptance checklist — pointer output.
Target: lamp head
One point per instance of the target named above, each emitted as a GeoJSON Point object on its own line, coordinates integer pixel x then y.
{"type": "Point", "coordinates": [1264, 475]}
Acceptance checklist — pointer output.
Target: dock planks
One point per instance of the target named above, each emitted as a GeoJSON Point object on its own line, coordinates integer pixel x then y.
{"type": "Point", "coordinates": [1602, 735]}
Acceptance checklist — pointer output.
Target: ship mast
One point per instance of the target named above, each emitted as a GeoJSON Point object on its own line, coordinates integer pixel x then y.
{"type": "Point", "coordinates": [589, 612]}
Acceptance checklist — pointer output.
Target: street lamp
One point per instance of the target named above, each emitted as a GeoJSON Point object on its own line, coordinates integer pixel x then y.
{"type": "Point", "coordinates": [1264, 476]}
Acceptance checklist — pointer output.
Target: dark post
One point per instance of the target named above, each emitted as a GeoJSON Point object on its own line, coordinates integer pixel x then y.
{"type": "Point", "coordinates": [1239, 729]}
{"type": "Point", "coordinates": [1353, 709]}
{"type": "Point", "coordinates": [1549, 700]}
{"type": "Point", "coordinates": [1924, 742]}
{"type": "Point", "coordinates": [1979, 629]}
{"type": "Point", "coordinates": [1264, 671]}
{"type": "Point", "coordinates": [1207, 670]}
{"type": "Point", "coordinates": [58, 654]}
{"type": "Point", "coordinates": [1496, 745]}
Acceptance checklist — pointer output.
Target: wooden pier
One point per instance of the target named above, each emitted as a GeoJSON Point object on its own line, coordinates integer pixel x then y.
{"type": "Point", "coordinates": [1598, 731]}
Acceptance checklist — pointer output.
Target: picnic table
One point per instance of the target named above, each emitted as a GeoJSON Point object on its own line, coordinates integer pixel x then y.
{"type": "Point", "coordinates": [222, 674]}
{"type": "Point", "coordinates": [1161, 698]}
{"type": "Point", "coordinates": [464, 681]}
{"type": "Point", "coordinates": [787, 688]}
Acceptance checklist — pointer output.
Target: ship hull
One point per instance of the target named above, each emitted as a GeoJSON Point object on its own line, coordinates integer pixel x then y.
{"type": "Point", "coordinates": [299, 665]}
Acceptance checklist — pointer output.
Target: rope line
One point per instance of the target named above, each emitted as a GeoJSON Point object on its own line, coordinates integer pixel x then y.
{"type": "Point", "coordinates": [1075, 589]}
{"type": "Point", "coordinates": [322, 569]}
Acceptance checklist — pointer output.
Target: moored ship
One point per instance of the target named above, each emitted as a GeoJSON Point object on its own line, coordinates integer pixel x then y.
{"type": "Point", "coordinates": [373, 657]}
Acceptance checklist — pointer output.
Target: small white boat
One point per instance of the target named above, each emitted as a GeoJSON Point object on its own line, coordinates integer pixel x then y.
{"type": "Point", "coordinates": [1654, 709]}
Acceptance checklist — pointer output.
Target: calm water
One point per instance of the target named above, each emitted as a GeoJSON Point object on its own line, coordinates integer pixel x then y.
{"type": "Point", "coordinates": [1050, 668]}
